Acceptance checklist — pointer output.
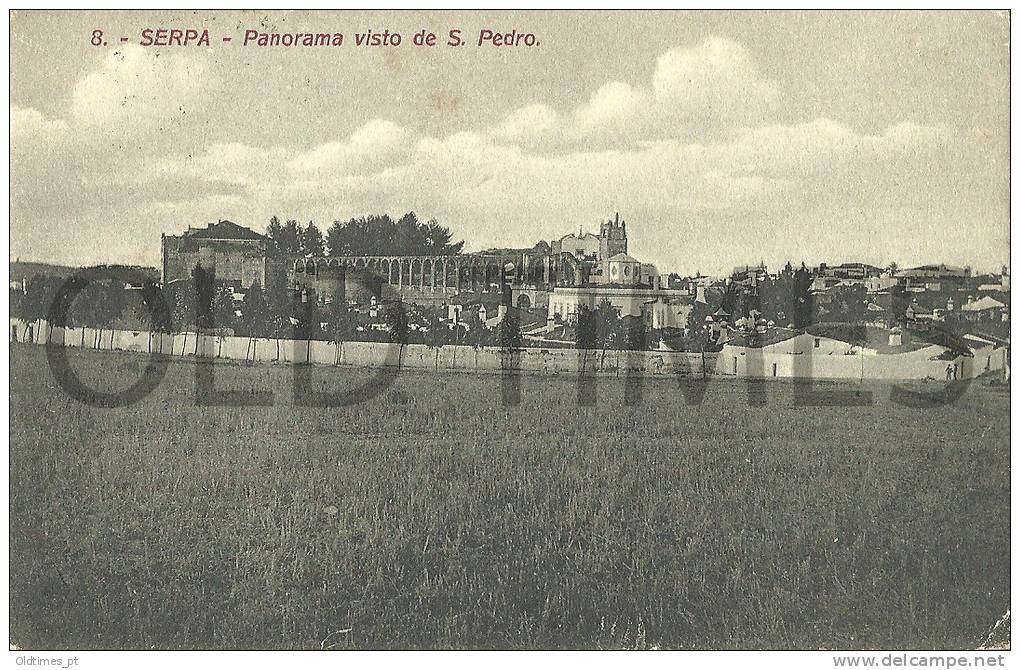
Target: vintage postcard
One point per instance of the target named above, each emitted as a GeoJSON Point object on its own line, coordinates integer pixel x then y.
{"type": "Point", "coordinates": [510, 330]}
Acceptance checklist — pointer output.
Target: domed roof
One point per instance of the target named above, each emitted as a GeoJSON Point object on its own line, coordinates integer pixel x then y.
{"type": "Point", "coordinates": [623, 258]}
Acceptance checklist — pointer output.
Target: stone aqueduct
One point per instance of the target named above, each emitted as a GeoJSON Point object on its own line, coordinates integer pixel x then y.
{"type": "Point", "coordinates": [453, 273]}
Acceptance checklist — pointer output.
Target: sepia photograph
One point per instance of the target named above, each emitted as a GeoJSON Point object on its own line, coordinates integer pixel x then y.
{"type": "Point", "coordinates": [615, 330]}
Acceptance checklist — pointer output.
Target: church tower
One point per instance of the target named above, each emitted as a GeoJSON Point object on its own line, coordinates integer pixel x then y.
{"type": "Point", "coordinates": [612, 238]}
{"type": "Point", "coordinates": [612, 241]}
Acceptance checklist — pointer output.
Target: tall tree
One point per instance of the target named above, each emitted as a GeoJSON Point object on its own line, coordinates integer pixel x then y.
{"type": "Point", "coordinates": [408, 236]}
{"type": "Point", "coordinates": [635, 333]}
{"type": "Point", "coordinates": [697, 331]}
{"type": "Point", "coordinates": [180, 297]}
{"type": "Point", "coordinates": [586, 330]}
{"type": "Point", "coordinates": [510, 339]}
{"type": "Point", "coordinates": [278, 311]}
{"type": "Point", "coordinates": [274, 230]}
{"type": "Point", "coordinates": [157, 309]}
{"type": "Point", "coordinates": [336, 241]}
{"type": "Point", "coordinates": [396, 322]}
{"type": "Point", "coordinates": [803, 302]}
{"type": "Point", "coordinates": [400, 329]}
{"type": "Point", "coordinates": [607, 326]}
{"type": "Point", "coordinates": [35, 302]}
{"type": "Point", "coordinates": [438, 240]}
{"type": "Point", "coordinates": [477, 333]}
{"type": "Point", "coordinates": [253, 311]}
{"type": "Point", "coordinates": [509, 336]}
{"type": "Point", "coordinates": [310, 241]}
{"type": "Point", "coordinates": [306, 313]}
{"type": "Point", "coordinates": [288, 240]}
{"type": "Point", "coordinates": [776, 298]}
{"type": "Point", "coordinates": [339, 324]}
{"type": "Point", "coordinates": [437, 335]}
{"type": "Point", "coordinates": [224, 311]}
{"type": "Point", "coordinates": [205, 296]}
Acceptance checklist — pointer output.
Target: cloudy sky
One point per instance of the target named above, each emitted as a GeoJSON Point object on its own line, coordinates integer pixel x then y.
{"type": "Point", "coordinates": [722, 138]}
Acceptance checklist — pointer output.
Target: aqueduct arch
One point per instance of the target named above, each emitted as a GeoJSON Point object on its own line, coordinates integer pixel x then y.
{"type": "Point", "coordinates": [475, 272]}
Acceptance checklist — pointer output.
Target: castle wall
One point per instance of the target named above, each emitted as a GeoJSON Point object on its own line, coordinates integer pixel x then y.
{"type": "Point", "coordinates": [236, 261]}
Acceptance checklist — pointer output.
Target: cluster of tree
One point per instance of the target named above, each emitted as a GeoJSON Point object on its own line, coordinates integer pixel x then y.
{"type": "Point", "coordinates": [432, 331]}
{"type": "Point", "coordinates": [72, 302]}
{"type": "Point", "coordinates": [200, 303]}
{"type": "Point", "coordinates": [374, 235]}
{"type": "Point", "coordinates": [603, 328]}
{"type": "Point", "coordinates": [697, 335]}
{"type": "Point", "coordinates": [785, 300]}
{"type": "Point", "coordinates": [293, 238]}
{"type": "Point", "coordinates": [845, 303]}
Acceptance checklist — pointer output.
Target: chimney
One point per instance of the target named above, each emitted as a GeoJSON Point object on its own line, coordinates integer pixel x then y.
{"type": "Point", "coordinates": [700, 295]}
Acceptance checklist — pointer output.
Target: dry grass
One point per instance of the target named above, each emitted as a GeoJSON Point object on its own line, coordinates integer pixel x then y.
{"type": "Point", "coordinates": [449, 521]}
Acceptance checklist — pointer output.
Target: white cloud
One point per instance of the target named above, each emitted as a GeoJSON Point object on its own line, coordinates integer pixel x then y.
{"type": "Point", "coordinates": [528, 125]}
{"type": "Point", "coordinates": [717, 82]}
{"type": "Point", "coordinates": [707, 90]}
{"type": "Point", "coordinates": [138, 87]}
{"type": "Point", "coordinates": [369, 148]}
{"type": "Point", "coordinates": [29, 123]}
{"type": "Point", "coordinates": [612, 106]}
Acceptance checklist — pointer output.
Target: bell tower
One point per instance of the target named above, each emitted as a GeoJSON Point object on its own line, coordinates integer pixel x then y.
{"type": "Point", "coordinates": [612, 238]}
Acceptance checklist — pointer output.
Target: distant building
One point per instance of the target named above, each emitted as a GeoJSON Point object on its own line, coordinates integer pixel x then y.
{"type": "Point", "coordinates": [566, 301]}
{"type": "Point", "coordinates": [237, 255]}
{"type": "Point", "coordinates": [623, 270]}
{"type": "Point", "coordinates": [985, 309]}
{"type": "Point", "coordinates": [941, 272]}
{"type": "Point", "coordinates": [749, 276]}
{"type": "Point", "coordinates": [611, 274]}
{"type": "Point", "coordinates": [595, 250]}
{"type": "Point", "coordinates": [666, 312]}
{"type": "Point", "coordinates": [857, 271]}
{"type": "Point", "coordinates": [879, 284]}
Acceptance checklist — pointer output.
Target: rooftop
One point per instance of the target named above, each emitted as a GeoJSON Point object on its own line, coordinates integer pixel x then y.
{"type": "Point", "coordinates": [770, 336]}
{"type": "Point", "coordinates": [224, 230]}
{"type": "Point", "coordinates": [623, 258]}
{"type": "Point", "coordinates": [982, 304]}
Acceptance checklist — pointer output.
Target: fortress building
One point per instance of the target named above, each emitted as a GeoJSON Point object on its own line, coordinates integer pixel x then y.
{"type": "Point", "coordinates": [238, 255]}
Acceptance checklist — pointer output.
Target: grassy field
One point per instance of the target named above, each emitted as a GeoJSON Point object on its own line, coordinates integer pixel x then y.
{"type": "Point", "coordinates": [435, 517]}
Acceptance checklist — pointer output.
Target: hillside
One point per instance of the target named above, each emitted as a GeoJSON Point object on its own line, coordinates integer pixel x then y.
{"type": "Point", "coordinates": [28, 269]}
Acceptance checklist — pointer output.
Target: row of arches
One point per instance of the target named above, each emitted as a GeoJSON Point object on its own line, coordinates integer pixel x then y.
{"type": "Point", "coordinates": [450, 272]}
